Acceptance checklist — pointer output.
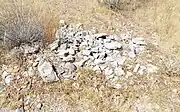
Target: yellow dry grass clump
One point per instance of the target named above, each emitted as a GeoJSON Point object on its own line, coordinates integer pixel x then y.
{"type": "Point", "coordinates": [23, 20]}
{"type": "Point", "coordinates": [162, 16]}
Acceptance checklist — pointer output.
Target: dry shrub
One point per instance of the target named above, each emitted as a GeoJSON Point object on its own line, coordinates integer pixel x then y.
{"type": "Point", "coordinates": [123, 4]}
{"type": "Point", "coordinates": [18, 24]}
{"type": "Point", "coordinates": [26, 22]}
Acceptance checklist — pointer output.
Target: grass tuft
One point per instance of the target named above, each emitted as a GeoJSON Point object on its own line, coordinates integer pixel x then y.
{"type": "Point", "coordinates": [26, 22]}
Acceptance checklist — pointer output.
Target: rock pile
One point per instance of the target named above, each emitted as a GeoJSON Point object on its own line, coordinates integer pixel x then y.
{"type": "Point", "coordinates": [103, 53]}
{"type": "Point", "coordinates": [75, 47]}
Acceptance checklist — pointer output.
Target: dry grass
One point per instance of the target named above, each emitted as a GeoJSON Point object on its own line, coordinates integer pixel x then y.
{"type": "Point", "coordinates": [163, 17]}
{"type": "Point", "coordinates": [27, 21]}
{"type": "Point", "coordinates": [124, 4]}
{"type": "Point", "coordinates": [90, 92]}
{"type": "Point", "coordinates": [160, 16]}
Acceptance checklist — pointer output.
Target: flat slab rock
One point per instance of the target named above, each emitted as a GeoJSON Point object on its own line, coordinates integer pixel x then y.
{"type": "Point", "coordinates": [46, 71]}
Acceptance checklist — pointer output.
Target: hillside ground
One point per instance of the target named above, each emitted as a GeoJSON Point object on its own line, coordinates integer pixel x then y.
{"type": "Point", "coordinates": [159, 19]}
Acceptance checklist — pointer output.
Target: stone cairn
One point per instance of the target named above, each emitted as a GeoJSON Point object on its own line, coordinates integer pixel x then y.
{"type": "Point", "coordinates": [75, 47]}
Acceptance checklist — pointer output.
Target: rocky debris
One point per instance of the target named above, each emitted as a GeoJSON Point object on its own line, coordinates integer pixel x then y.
{"type": "Point", "coordinates": [39, 106]}
{"type": "Point", "coordinates": [117, 57]}
{"type": "Point", "coordinates": [5, 74]}
{"type": "Point", "coordinates": [69, 59]}
{"type": "Point", "coordinates": [152, 68]}
{"type": "Point", "coordinates": [7, 77]}
{"type": "Point", "coordinates": [31, 50]}
{"type": "Point", "coordinates": [75, 47]}
{"type": "Point", "coordinates": [46, 71]}
{"type": "Point", "coordinates": [1, 86]}
{"type": "Point", "coordinates": [136, 68]}
{"type": "Point", "coordinates": [102, 52]}
{"type": "Point", "coordinates": [62, 23]}
{"type": "Point", "coordinates": [113, 45]}
{"type": "Point", "coordinates": [54, 45]}
{"type": "Point", "coordinates": [19, 110]}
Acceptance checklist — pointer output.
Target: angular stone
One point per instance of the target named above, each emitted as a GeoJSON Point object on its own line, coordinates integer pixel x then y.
{"type": "Point", "coordinates": [69, 75]}
{"type": "Point", "coordinates": [60, 70]}
{"type": "Point", "coordinates": [108, 71]}
{"type": "Point", "coordinates": [114, 37]}
{"type": "Point", "coordinates": [86, 52]}
{"type": "Point", "coordinates": [20, 110]}
{"type": "Point", "coordinates": [5, 74]}
{"type": "Point", "coordinates": [140, 49]}
{"type": "Point", "coordinates": [99, 61]}
{"type": "Point", "coordinates": [119, 72]}
{"type": "Point", "coordinates": [121, 60]}
{"type": "Point", "coordinates": [103, 67]}
{"type": "Point", "coordinates": [69, 59]}
{"type": "Point", "coordinates": [39, 105]}
{"type": "Point", "coordinates": [113, 45]}
{"type": "Point", "coordinates": [97, 68]}
{"type": "Point", "coordinates": [83, 61]}
{"type": "Point", "coordinates": [109, 59]}
{"type": "Point", "coordinates": [85, 33]}
{"type": "Point", "coordinates": [71, 67]}
{"type": "Point", "coordinates": [100, 41]}
{"type": "Point", "coordinates": [63, 46]}
{"type": "Point", "coordinates": [35, 64]}
{"type": "Point", "coordinates": [79, 26]}
{"type": "Point", "coordinates": [96, 55]}
{"type": "Point", "coordinates": [151, 68]}
{"type": "Point", "coordinates": [31, 71]}
{"type": "Point", "coordinates": [71, 51]}
{"type": "Point", "coordinates": [131, 54]}
{"type": "Point", "coordinates": [108, 40]}
{"type": "Point", "coordinates": [83, 45]}
{"type": "Point", "coordinates": [139, 41]}
{"type": "Point", "coordinates": [102, 55]}
{"type": "Point", "coordinates": [8, 79]}
{"type": "Point", "coordinates": [136, 68]}
{"type": "Point", "coordinates": [54, 45]}
{"type": "Point", "coordinates": [128, 74]}
{"type": "Point", "coordinates": [62, 23]}
{"type": "Point", "coordinates": [142, 70]}
{"type": "Point", "coordinates": [101, 49]}
{"type": "Point", "coordinates": [46, 71]}
{"type": "Point", "coordinates": [108, 51]}
{"type": "Point", "coordinates": [100, 35]}
{"type": "Point", "coordinates": [58, 34]}
{"type": "Point", "coordinates": [30, 49]}
{"type": "Point", "coordinates": [117, 86]}
{"type": "Point", "coordinates": [1, 86]}
{"type": "Point", "coordinates": [63, 53]}
{"type": "Point", "coordinates": [95, 50]}
{"type": "Point", "coordinates": [114, 64]}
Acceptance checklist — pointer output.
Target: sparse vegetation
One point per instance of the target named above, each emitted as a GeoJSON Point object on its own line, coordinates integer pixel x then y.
{"type": "Point", "coordinates": [25, 22]}
{"type": "Point", "coordinates": [159, 16]}
{"type": "Point", "coordinates": [124, 4]}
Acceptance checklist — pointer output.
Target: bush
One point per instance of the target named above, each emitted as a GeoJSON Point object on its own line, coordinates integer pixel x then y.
{"type": "Point", "coordinates": [18, 24]}
{"type": "Point", "coordinates": [123, 4]}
